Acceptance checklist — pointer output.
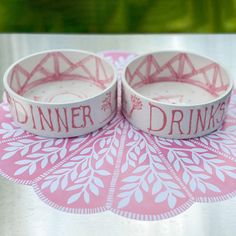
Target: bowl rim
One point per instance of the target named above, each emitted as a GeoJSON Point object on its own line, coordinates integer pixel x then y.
{"type": "Point", "coordinates": [31, 101]}
{"type": "Point", "coordinates": [224, 94]}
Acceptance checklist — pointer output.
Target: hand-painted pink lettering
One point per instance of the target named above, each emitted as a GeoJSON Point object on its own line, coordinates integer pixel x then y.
{"type": "Point", "coordinates": [32, 115]}
{"type": "Point", "coordinates": [87, 115]}
{"type": "Point", "coordinates": [222, 113]}
{"type": "Point", "coordinates": [45, 119]}
{"type": "Point", "coordinates": [213, 112]}
{"type": "Point", "coordinates": [177, 117]}
{"type": "Point", "coordinates": [62, 121]}
{"type": "Point", "coordinates": [162, 120]}
{"type": "Point", "coordinates": [201, 119]}
{"type": "Point", "coordinates": [75, 113]}
{"type": "Point", "coordinates": [190, 121]}
{"type": "Point", "coordinates": [21, 113]}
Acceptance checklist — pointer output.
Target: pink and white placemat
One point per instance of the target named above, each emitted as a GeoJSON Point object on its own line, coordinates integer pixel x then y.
{"type": "Point", "coordinates": [120, 168]}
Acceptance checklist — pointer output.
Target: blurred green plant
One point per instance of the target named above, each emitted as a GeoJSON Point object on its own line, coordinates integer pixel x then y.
{"type": "Point", "coordinates": [118, 16]}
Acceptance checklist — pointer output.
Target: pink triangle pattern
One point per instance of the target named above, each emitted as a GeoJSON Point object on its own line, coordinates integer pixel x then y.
{"type": "Point", "coordinates": [58, 66]}
{"type": "Point", "coordinates": [122, 169]}
{"type": "Point", "coordinates": [180, 67]}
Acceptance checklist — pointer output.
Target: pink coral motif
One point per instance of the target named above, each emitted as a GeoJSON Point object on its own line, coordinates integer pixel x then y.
{"type": "Point", "coordinates": [107, 105]}
{"type": "Point", "coordinates": [136, 105]}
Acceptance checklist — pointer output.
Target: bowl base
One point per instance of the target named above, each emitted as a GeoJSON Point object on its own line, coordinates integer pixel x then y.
{"type": "Point", "coordinates": [62, 91]}
{"type": "Point", "coordinates": [175, 93]}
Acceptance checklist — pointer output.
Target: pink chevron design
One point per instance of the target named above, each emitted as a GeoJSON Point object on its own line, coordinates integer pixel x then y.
{"type": "Point", "coordinates": [178, 68]}
{"type": "Point", "coordinates": [120, 168]}
{"type": "Point", "coordinates": [21, 80]}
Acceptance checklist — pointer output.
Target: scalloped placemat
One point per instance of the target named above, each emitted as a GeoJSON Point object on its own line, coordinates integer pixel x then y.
{"type": "Point", "coordinates": [120, 168]}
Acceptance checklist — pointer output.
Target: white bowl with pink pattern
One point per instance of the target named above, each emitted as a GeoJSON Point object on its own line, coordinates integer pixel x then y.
{"type": "Point", "coordinates": [175, 94]}
{"type": "Point", "coordinates": [61, 93]}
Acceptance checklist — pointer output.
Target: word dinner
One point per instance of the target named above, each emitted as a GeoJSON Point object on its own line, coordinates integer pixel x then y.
{"type": "Point", "coordinates": [55, 119]}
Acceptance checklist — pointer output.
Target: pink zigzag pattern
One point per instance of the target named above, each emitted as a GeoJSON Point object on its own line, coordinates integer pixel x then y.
{"type": "Point", "coordinates": [185, 72]}
{"type": "Point", "coordinates": [21, 79]}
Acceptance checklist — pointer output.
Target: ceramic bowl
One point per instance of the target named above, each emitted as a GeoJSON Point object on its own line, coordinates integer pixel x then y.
{"type": "Point", "coordinates": [175, 95]}
{"type": "Point", "coordinates": [61, 93]}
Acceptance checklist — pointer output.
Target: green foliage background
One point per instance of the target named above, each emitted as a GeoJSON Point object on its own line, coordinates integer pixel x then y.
{"type": "Point", "coordinates": [117, 16]}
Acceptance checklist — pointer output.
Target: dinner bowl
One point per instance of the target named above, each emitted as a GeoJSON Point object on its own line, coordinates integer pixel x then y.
{"type": "Point", "coordinates": [175, 94]}
{"type": "Point", "coordinates": [61, 93]}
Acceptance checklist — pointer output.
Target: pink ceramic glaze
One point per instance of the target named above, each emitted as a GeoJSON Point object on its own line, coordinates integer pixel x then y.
{"type": "Point", "coordinates": [61, 93]}
{"type": "Point", "coordinates": [175, 94]}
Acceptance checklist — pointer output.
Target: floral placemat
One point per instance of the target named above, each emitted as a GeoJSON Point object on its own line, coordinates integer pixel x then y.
{"type": "Point", "coordinates": [120, 168]}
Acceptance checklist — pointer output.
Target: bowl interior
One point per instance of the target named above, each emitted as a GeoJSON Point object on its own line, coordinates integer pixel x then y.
{"type": "Point", "coordinates": [177, 78]}
{"type": "Point", "coordinates": [60, 76]}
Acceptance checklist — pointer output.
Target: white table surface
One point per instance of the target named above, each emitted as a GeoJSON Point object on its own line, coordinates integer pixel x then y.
{"type": "Point", "coordinates": [23, 214]}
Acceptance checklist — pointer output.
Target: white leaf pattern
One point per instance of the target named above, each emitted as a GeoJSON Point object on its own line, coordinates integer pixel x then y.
{"type": "Point", "coordinates": [85, 169]}
{"type": "Point", "coordinates": [147, 174]}
{"type": "Point", "coordinates": [193, 175]}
